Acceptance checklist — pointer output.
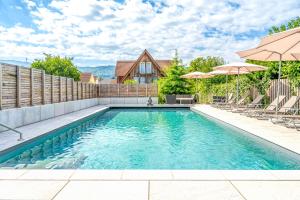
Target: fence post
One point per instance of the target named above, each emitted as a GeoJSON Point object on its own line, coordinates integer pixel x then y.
{"type": "Point", "coordinates": [43, 88]}
{"type": "Point", "coordinates": [81, 90]}
{"type": "Point", "coordinates": [60, 89]}
{"type": "Point", "coordinates": [67, 99]}
{"type": "Point", "coordinates": [1, 87]}
{"type": "Point", "coordinates": [72, 81]}
{"type": "Point", "coordinates": [77, 90]}
{"type": "Point", "coordinates": [127, 91]}
{"type": "Point", "coordinates": [52, 88]}
{"type": "Point", "coordinates": [31, 86]}
{"type": "Point", "coordinates": [137, 93]}
{"type": "Point", "coordinates": [18, 87]}
{"type": "Point", "coordinates": [146, 90]}
{"type": "Point", "coordinates": [118, 89]}
{"type": "Point", "coordinates": [99, 95]}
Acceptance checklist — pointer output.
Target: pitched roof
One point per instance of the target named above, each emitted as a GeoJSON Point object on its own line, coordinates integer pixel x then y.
{"type": "Point", "coordinates": [85, 77]}
{"type": "Point", "coordinates": [123, 67]}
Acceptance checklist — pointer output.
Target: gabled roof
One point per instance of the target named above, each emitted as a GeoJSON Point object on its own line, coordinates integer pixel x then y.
{"type": "Point", "coordinates": [124, 67]}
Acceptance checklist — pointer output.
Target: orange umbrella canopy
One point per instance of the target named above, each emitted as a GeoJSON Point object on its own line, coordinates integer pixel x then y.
{"type": "Point", "coordinates": [275, 47]}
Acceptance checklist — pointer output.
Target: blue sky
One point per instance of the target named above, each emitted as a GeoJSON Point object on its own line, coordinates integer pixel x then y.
{"type": "Point", "coordinates": [97, 32]}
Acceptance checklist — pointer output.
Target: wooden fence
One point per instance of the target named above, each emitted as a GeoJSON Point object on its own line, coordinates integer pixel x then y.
{"type": "Point", "coordinates": [121, 90]}
{"type": "Point", "coordinates": [286, 89]}
{"type": "Point", "coordinates": [21, 86]}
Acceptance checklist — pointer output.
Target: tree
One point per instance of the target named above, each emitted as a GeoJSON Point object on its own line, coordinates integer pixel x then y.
{"type": "Point", "coordinates": [294, 23]}
{"type": "Point", "coordinates": [172, 83]}
{"type": "Point", "coordinates": [58, 66]}
{"type": "Point", "coordinates": [203, 64]}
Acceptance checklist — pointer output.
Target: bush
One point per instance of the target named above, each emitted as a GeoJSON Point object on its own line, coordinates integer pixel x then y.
{"type": "Point", "coordinates": [130, 82]}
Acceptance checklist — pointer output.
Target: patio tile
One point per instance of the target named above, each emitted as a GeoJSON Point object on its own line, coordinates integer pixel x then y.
{"type": "Point", "coordinates": [192, 190]}
{"type": "Point", "coordinates": [248, 175]}
{"type": "Point", "coordinates": [97, 175]}
{"type": "Point", "coordinates": [147, 175]}
{"type": "Point", "coordinates": [198, 175]}
{"type": "Point", "coordinates": [286, 174]}
{"type": "Point", "coordinates": [269, 190]}
{"type": "Point", "coordinates": [41, 174]}
{"type": "Point", "coordinates": [107, 190]}
{"type": "Point", "coordinates": [11, 173]}
{"type": "Point", "coordinates": [29, 189]}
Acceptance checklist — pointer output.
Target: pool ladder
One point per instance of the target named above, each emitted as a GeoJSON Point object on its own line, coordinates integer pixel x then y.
{"type": "Point", "coordinates": [14, 130]}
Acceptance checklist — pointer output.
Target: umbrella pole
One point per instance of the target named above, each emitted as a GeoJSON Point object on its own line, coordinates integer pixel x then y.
{"type": "Point", "coordinates": [237, 88]}
{"type": "Point", "coordinates": [226, 88]}
{"type": "Point", "coordinates": [278, 85]}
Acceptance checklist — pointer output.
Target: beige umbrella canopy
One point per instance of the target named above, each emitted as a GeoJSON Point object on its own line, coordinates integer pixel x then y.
{"type": "Point", "coordinates": [279, 46]}
{"type": "Point", "coordinates": [283, 46]}
{"type": "Point", "coordinates": [196, 75]}
{"type": "Point", "coordinates": [224, 72]}
{"type": "Point", "coordinates": [239, 68]}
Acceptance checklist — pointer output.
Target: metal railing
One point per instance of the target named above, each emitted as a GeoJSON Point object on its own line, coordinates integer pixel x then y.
{"type": "Point", "coordinates": [16, 131]}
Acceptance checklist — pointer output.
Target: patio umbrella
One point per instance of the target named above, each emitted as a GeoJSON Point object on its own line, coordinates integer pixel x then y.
{"type": "Point", "coordinates": [283, 46]}
{"type": "Point", "coordinates": [197, 75]}
{"type": "Point", "coordinates": [239, 68]}
{"type": "Point", "coordinates": [222, 72]}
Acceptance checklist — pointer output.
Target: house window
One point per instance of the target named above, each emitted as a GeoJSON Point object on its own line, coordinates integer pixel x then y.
{"type": "Point", "coordinates": [142, 68]}
{"type": "Point", "coordinates": [142, 80]}
{"type": "Point", "coordinates": [148, 68]}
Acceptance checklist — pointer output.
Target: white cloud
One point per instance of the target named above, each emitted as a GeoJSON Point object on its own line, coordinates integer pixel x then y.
{"type": "Point", "coordinates": [104, 31]}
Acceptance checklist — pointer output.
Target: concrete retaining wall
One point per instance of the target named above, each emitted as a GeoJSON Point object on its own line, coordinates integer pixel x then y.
{"type": "Point", "coordinates": [17, 117]}
{"type": "Point", "coordinates": [127, 100]}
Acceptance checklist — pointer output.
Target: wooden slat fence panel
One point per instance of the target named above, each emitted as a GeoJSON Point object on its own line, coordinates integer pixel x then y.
{"type": "Point", "coordinates": [56, 91]}
{"type": "Point", "coordinates": [37, 87]}
{"type": "Point", "coordinates": [9, 86]}
{"type": "Point", "coordinates": [48, 89]}
{"type": "Point", "coordinates": [25, 87]}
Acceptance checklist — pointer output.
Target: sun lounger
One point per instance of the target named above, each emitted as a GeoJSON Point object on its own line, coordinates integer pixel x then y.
{"type": "Point", "coordinates": [256, 103]}
{"type": "Point", "coordinates": [269, 109]}
{"type": "Point", "coordinates": [286, 111]}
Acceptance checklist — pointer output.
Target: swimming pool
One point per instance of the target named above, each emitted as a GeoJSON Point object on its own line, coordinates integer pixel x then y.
{"type": "Point", "coordinates": [154, 138]}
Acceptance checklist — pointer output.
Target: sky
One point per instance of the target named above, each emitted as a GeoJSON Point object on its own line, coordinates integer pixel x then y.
{"type": "Point", "coordinates": [99, 32]}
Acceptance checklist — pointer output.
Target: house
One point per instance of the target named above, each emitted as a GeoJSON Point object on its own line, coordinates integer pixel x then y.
{"type": "Point", "coordinates": [88, 78]}
{"type": "Point", "coordinates": [144, 70]}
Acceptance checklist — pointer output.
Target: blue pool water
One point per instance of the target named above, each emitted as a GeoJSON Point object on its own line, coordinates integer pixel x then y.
{"type": "Point", "coordinates": [150, 139]}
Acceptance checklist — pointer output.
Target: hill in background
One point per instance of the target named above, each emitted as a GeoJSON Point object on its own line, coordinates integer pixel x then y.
{"type": "Point", "coordinates": [105, 72]}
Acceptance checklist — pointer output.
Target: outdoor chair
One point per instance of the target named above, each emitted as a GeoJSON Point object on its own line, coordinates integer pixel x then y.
{"type": "Point", "coordinates": [268, 109]}
{"type": "Point", "coordinates": [256, 103]}
{"type": "Point", "coordinates": [285, 113]}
